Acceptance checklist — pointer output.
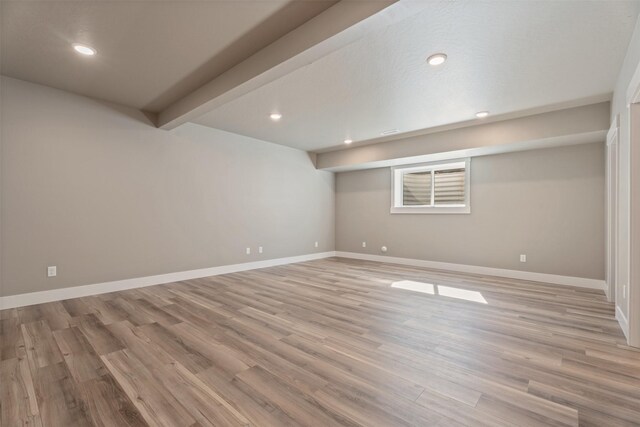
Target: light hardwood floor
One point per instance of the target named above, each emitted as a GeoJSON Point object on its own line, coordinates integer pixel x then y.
{"type": "Point", "coordinates": [322, 343]}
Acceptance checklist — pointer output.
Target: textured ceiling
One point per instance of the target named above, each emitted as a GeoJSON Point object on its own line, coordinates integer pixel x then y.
{"type": "Point", "coordinates": [150, 53]}
{"type": "Point", "coordinates": [503, 57]}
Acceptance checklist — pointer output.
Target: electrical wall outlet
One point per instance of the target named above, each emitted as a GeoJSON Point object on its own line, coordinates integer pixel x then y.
{"type": "Point", "coordinates": [259, 249]}
{"type": "Point", "coordinates": [523, 258]}
{"type": "Point", "coordinates": [316, 244]}
{"type": "Point", "coordinates": [52, 271]}
{"type": "Point", "coordinates": [364, 244]}
{"type": "Point", "coordinates": [248, 251]}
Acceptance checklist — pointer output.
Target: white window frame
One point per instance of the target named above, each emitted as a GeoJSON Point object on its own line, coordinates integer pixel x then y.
{"type": "Point", "coordinates": [397, 173]}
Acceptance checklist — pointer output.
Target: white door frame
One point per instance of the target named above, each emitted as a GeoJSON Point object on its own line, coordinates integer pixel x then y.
{"type": "Point", "coordinates": [633, 111]}
{"type": "Point", "coordinates": [612, 183]}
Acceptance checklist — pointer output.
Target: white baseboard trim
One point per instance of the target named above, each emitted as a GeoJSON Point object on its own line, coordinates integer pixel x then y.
{"type": "Point", "coordinates": [490, 271]}
{"type": "Point", "coordinates": [623, 322]}
{"type": "Point", "coordinates": [32, 298]}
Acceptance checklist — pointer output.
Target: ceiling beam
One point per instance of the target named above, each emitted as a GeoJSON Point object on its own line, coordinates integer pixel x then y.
{"type": "Point", "coordinates": [338, 26]}
{"type": "Point", "coordinates": [577, 125]}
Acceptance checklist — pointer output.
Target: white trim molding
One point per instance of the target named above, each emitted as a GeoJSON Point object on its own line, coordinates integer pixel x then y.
{"type": "Point", "coordinates": [623, 322]}
{"type": "Point", "coordinates": [613, 131]}
{"type": "Point", "coordinates": [475, 269]}
{"type": "Point", "coordinates": [633, 211]}
{"type": "Point", "coordinates": [21, 300]}
{"type": "Point", "coordinates": [612, 197]}
{"type": "Point", "coordinates": [633, 90]}
{"type": "Point", "coordinates": [32, 298]}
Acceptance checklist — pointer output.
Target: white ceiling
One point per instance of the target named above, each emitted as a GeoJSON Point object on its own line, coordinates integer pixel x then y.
{"type": "Point", "coordinates": [150, 53]}
{"type": "Point", "coordinates": [503, 57]}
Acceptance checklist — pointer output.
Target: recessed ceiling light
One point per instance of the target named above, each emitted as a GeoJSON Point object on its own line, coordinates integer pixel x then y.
{"type": "Point", "coordinates": [348, 141]}
{"type": "Point", "coordinates": [437, 59]}
{"type": "Point", "coordinates": [276, 116]}
{"type": "Point", "coordinates": [482, 114]}
{"type": "Point", "coordinates": [83, 49]}
{"type": "Point", "coordinates": [390, 131]}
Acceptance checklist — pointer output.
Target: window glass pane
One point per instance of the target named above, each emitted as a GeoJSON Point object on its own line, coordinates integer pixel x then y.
{"type": "Point", "coordinates": [416, 188]}
{"type": "Point", "coordinates": [449, 187]}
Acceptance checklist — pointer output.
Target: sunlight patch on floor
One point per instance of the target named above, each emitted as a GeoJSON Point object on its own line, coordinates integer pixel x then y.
{"type": "Point", "coordinates": [425, 288]}
{"type": "Point", "coordinates": [445, 291]}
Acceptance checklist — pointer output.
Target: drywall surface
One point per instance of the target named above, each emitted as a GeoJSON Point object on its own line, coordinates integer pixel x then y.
{"type": "Point", "coordinates": [99, 192]}
{"type": "Point", "coordinates": [547, 204]}
{"type": "Point", "coordinates": [531, 129]}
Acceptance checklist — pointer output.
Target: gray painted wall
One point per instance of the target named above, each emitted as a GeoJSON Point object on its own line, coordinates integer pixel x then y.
{"type": "Point", "coordinates": [548, 204]}
{"type": "Point", "coordinates": [96, 190]}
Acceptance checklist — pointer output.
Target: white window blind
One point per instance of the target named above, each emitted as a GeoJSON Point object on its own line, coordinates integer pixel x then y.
{"type": "Point", "coordinates": [416, 188]}
{"type": "Point", "coordinates": [449, 187]}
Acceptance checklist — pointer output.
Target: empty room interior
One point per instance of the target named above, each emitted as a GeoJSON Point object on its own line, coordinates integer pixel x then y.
{"type": "Point", "coordinates": [319, 213]}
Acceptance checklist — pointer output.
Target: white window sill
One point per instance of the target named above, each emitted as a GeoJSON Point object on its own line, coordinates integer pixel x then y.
{"type": "Point", "coordinates": [431, 210]}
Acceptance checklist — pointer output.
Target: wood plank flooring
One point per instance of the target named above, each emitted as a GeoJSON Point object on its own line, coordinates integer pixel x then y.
{"type": "Point", "coordinates": [322, 343]}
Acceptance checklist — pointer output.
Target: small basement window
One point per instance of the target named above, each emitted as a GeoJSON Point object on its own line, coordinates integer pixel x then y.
{"type": "Point", "coordinates": [432, 188]}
